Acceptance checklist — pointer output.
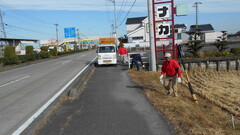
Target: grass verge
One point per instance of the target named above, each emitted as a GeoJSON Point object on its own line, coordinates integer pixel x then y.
{"type": "Point", "coordinates": [186, 117]}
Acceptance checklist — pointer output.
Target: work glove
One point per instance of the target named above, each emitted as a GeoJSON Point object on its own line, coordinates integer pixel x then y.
{"type": "Point", "coordinates": [179, 80]}
{"type": "Point", "coordinates": [161, 79]}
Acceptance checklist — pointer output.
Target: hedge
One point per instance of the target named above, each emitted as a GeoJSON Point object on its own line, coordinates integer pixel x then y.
{"type": "Point", "coordinates": [24, 58]}
{"type": "Point", "coordinates": [9, 60]}
{"type": "Point", "coordinates": [235, 51]}
{"type": "Point", "coordinates": [29, 50]}
{"type": "Point", "coordinates": [44, 49]}
{"type": "Point", "coordinates": [9, 51]}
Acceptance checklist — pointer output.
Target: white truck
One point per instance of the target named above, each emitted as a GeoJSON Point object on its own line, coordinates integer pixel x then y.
{"type": "Point", "coordinates": [107, 54]}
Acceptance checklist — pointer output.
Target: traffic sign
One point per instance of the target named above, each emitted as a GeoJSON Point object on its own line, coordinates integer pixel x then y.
{"type": "Point", "coordinates": [70, 32]}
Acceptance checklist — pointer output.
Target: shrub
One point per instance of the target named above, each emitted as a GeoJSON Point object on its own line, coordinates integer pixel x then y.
{"type": "Point", "coordinates": [44, 49]}
{"type": "Point", "coordinates": [29, 50]}
{"type": "Point", "coordinates": [38, 56]}
{"type": "Point", "coordinates": [9, 60]}
{"type": "Point", "coordinates": [224, 54]}
{"type": "Point", "coordinates": [44, 55]}
{"type": "Point", "coordinates": [9, 51]}
{"type": "Point", "coordinates": [10, 56]}
{"type": "Point", "coordinates": [214, 54]}
{"type": "Point", "coordinates": [55, 52]}
{"type": "Point", "coordinates": [235, 51]}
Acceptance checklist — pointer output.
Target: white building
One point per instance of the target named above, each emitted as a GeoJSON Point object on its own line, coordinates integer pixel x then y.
{"type": "Point", "coordinates": [209, 35]}
{"type": "Point", "coordinates": [138, 33]}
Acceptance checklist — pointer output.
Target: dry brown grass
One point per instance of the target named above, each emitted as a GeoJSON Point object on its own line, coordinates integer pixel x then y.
{"type": "Point", "coordinates": [187, 118]}
{"type": "Point", "coordinates": [222, 88]}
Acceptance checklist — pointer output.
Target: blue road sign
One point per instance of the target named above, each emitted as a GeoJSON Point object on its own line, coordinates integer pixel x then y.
{"type": "Point", "coordinates": [69, 32]}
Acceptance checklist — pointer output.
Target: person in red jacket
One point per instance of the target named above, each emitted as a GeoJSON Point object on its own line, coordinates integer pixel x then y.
{"type": "Point", "coordinates": [122, 51]}
{"type": "Point", "coordinates": [171, 68]}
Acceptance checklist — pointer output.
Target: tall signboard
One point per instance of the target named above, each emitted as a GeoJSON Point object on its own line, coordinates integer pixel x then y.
{"type": "Point", "coordinates": [70, 32]}
{"type": "Point", "coordinates": [163, 22]}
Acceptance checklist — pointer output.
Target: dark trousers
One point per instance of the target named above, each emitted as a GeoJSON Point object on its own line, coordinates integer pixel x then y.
{"type": "Point", "coordinates": [136, 63]}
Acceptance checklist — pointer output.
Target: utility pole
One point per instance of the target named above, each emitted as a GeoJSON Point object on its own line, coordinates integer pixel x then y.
{"type": "Point", "coordinates": [3, 28]}
{"type": "Point", "coordinates": [196, 6]}
{"type": "Point", "coordinates": [56, 32]}
{"type": "Point", "coordinates": [151, 36]}
{"type": "Point", "coordinates": [78, 37]}
{"type": "Point", "coordinates": [115, 21]}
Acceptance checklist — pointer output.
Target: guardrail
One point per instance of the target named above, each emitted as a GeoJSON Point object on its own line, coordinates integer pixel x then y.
{"type": "Point", "coordinates": [217, 63]}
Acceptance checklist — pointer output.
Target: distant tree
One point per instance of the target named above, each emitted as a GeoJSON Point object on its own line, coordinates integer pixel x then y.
{"type": "Point", "coordinates": [221, 42]}
{"type": "Point", "coordinates": [123, 39]}
{"type": "Point", "coordinates": [194, 45]}
{"type": "Point", "coordinates": [238, 33]}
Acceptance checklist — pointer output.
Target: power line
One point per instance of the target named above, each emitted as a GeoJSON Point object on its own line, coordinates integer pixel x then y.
{"type": "Point", "coordinates": [122, 9]}
{"type": "Point", "coordinates": [24, 14]}
{"type": "Point", "coordinates": [127, 13]}
{"type": "Point", "coordinates": [9, 25]}
{"type": "Point", "coordinates": [16, 35]}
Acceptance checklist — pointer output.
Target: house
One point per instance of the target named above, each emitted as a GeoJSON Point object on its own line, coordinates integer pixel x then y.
{"type": "Point", "coordinates": [138, 32]}
{"type": "Point", "coordinates": [209, 35]}
{"type": "Point", "coordinates": [20, 44]}
{"type": "Point", "coordinates": [136, 29]}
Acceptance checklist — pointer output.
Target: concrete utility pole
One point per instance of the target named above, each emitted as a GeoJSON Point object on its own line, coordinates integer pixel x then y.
{"type": "Point", "coordinates": [57, 32]}
{"type": "Point", "coordinates": [3, 28]}
{"type": "Point", "coordinates": [196, 6]}
{"type": "Point", "coordinates": [78, 37]}
{"type": "Point", "coordinates": [115, 21]}
{"type": "Point", "coordinates": [151, 37]}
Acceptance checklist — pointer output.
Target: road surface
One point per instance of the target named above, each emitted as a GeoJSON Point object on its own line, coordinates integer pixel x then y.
{"type": "Point", "coordinates": [111, 104]}
{"type": "Point", "coordinates": [24, 90]}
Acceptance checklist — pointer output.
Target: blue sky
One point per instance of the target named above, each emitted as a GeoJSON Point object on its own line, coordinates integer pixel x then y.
{"type": "Point", "coordinates": [35, 19]}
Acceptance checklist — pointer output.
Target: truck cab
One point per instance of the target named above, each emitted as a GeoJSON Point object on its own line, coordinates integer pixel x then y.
{"type": "Point", "coordinates": [107, 54]}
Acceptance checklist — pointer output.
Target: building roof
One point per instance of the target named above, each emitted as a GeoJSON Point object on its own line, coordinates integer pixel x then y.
{"type": "Point", "coordinates": [180, 26]}
{"type": "Point", "coordinates": [135, 20]}
{"type": "Point", "coordinates": [11, 39]}
{"type": "Point", "coordinates": [203, 27]}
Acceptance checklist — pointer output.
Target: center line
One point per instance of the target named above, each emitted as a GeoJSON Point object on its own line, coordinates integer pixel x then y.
{"type": "Point", "coordinates": [14, 81]}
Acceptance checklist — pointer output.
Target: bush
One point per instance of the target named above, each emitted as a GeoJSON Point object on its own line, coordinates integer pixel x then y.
{"type": "Point", "coordinates": [9, 51]}
{"type": "Point", "coordinates": [235, 51]}
{"type": "Point", "coordinates": [44, 55]}
{"type": "Point", "coordinates": [9, 60]}
{"type": "Point", "coordinates": [44, 49]}
{"type": "Point", "coordinates": [29, 50]}
{"type": "Point", "coordinates": [55, 52]}
{"type": "Point", "coordinates": [214, 54]}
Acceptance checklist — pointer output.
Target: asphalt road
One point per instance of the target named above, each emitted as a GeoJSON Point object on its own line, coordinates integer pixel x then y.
{"type": "Point", "coordinates": [110, 105]}
{"type": "Point", "coordinates": [24, 90]}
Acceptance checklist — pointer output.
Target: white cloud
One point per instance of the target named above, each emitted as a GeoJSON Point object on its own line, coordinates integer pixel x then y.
{"type": "Point", "coordinates": [213, 6]}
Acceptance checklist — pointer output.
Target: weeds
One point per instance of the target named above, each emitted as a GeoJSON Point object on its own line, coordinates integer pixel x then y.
{"type": "Point", "coordinates": [218, 94]}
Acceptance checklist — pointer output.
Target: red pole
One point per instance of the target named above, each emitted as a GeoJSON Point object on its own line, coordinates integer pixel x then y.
{"type": "Point", "coordinates": [173, 31]}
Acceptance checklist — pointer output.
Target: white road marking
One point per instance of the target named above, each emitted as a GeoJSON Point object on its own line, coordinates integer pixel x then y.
{"type": "Point", "coordinates": [66, 61]}
{"type": "Point", "coordinates": [36, 114]}
{"type": "Point", "coordinates": [14, 81]}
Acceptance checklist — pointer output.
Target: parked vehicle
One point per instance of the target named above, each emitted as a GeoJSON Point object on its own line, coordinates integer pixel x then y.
{"type": "Point", "coordinates": [107, 54]}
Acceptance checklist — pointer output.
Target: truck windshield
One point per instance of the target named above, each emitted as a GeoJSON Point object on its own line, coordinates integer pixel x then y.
{"type": "Point", "coordinates": [106, 49]}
